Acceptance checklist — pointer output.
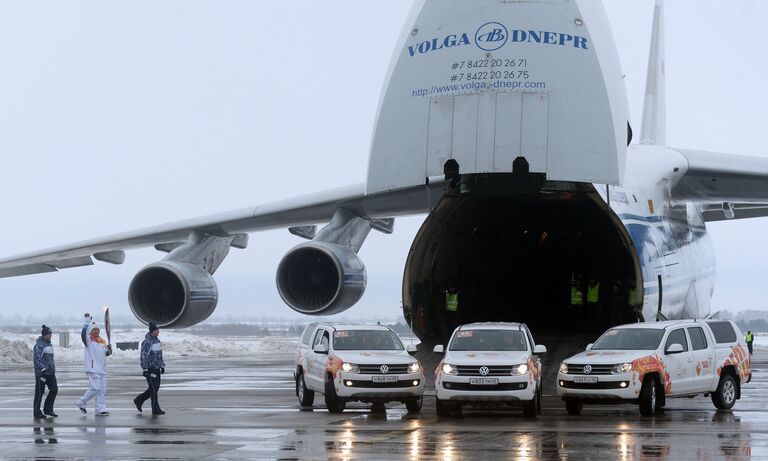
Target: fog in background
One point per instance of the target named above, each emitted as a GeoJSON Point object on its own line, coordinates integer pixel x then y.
{"type": "Point", "coordinates": [120, 115]}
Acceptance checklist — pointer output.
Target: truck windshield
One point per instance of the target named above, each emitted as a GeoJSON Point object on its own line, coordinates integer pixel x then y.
{"type": "Point", "coordinates": [489, 340]}
{"type": "Point", "coordinates": [366, 340]}
{"type": "Point", "coordinates": [629, 339]}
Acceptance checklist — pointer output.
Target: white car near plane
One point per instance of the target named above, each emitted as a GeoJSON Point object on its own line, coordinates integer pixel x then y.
{"type": "Point", "coordinates": [489, 365]}
{"type": "Point", "coordinates": [648, 363]}
{"type": "Point", "coordinates": [364, 363]}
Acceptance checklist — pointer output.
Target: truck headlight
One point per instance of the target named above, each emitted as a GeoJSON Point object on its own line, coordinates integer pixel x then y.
{"type": "Point", "coordinates": [622, 368]}
{"type": "Point", "coordinates": [414, 367]}
{"type": "Point", "coordinates": [449, 369]}
{"type": "Point", "coordinates": [520, 369]}
{"type": "Point", "coordinates": [564, 368]}
{"type": "Point", "coordinates": [350, 367]}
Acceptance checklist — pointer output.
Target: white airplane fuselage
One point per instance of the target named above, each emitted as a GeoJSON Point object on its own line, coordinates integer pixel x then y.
{"type": "Point", "coordinates": [507, 122]}
{"type": "Point", "coordinates": [675, 253]}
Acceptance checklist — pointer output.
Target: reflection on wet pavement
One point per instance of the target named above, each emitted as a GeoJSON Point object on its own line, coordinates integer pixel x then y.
{"type": "Point", "coordinates": [222, 409]}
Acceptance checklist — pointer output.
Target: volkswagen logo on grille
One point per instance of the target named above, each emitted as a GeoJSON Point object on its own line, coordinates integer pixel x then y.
{"type": "Point", "coordinates": [587, 369]}
{"type": "Point", "coordinates": [484, 371]}
{"type": "Point", "coordinates": [384, 369]}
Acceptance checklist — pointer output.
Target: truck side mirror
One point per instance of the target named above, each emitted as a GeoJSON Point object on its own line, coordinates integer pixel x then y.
{"type": "Point", "coordinates": [589, 346]}
{"type": "Point", "coordinates": [411, 349]}
{"type": "Point", "coordinates": [674, 349]}
{"type": "Point", "coordinates": [321, 349]}
{"type": "Point", "coordinates": [540, 349]}
{"type": "Point", "coordinates": [439, 349]}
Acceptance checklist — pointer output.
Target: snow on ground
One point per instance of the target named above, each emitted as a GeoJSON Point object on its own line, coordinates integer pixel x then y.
{"type": "Point", "coordinates": [761, 341]}
{"type": "Point", "coordinates": [17, 348]}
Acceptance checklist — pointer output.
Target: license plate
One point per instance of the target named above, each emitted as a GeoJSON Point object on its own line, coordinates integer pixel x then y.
{"type": "Point", "coordinates": [484, 381]}
{"type": "Point", "coordinates": [385, 379]}
{"type": "Point", "coordinates": [585, 379]}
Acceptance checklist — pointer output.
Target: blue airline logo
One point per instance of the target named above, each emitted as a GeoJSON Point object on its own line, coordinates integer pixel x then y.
{"type": "Point", "coordinates": [493, 36]}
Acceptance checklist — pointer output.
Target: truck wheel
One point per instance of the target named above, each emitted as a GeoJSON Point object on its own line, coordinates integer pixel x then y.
{"type": "Point", "coordinates": [414, 405]}
{"type": "Point", "coordinates": [574, 407]}
{"type": "Point", "coordinates": [443, 408]}
{"type": "Point", "coordinates": [725, 395]}
{"type": "Point", "coordinates": [306, 396]}
{"type": "Point", "coordinates": [332, 401]}
{"type": "Point", "coordinates": [647, 398]}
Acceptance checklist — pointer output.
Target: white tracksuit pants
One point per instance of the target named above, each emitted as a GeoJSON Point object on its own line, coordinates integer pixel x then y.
{"type": "Point", "coordinates": [98, 389]}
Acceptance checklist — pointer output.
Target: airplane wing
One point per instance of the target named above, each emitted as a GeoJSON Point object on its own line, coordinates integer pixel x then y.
{"type": "Point", "coordinates": [729, 186]}
{"type": "Point", "coordinates": [301, 211]}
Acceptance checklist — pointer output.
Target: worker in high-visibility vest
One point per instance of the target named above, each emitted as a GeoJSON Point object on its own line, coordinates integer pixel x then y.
{"type": "Point", "coordinates": [750, 338]}
{"type": "Point", "coordinates": [593, 305]}
{"type": "Point", "coordinates": [451, 311]}
{"type": "Point", "coordinates": [577, 301]}
{"type": "Point", "coordinates": [577, 297]}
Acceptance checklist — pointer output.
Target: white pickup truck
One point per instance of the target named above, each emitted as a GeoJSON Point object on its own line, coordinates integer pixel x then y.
{"type": "Point", "coordinates": [646, 363]}
{"type": "Point", "coordinates": [490, 365]}
{"type": "Point", "coordinates": [350, 363]}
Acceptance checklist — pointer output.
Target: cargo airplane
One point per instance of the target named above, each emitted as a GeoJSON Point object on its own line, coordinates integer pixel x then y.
{"type": "Point", "coordinates": [507, 124]}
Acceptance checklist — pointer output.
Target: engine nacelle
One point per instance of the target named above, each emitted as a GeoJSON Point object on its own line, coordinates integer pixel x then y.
{"type": "Point", "coordinates": [318, 278]}
{"type": "Point", "coordinates": [173, 294]}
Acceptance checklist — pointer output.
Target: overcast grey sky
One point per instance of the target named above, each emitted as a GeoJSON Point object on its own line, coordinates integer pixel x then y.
{"type": "Point", "coordinates": [119, 115]}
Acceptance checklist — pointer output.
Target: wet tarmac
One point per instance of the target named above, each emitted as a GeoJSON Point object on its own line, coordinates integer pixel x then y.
{"type": "Point", "coordinates": [246, 409]}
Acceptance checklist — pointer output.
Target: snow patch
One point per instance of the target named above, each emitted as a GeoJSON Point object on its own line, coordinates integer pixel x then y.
{"type": "Point", "coordinates": [12, 352]}
{"type": "Point", "coordinates": [17, 348]}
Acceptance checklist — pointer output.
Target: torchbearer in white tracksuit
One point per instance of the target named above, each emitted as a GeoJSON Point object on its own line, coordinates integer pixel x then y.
{"type": "Point", "coordinates": [95, 356]}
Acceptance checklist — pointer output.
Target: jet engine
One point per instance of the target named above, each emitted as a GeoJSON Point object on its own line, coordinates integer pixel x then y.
{"type": "Point", "coordinates": [173, 294]}
{"type": "Point", "coordinates": [319, 278]}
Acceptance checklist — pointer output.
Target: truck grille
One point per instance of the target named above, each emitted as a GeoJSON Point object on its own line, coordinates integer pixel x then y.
{"type": "Point", "coordinates": [498, 387]}
{"type": "Point", "coordinates": [376, 369]}
{"type": "Point", "coordinates": [502, 370]}
{"type": "Point", "coordinates": [596, 370]}
{"type": "Point", "coordinates": [596, 386]}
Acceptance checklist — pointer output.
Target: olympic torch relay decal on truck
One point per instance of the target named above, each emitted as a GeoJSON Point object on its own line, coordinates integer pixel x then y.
{"type": "Point", "coordinates": [648, 363]}
{"type": "Point", "coordinates": [651, 364]}
{"type": "Point", "coordinates": [739, 359]}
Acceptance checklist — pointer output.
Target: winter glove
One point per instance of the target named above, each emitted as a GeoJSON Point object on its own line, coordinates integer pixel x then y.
{"type": "Point", "coordinates": [145, 373]}
{"type": "Point", "coordinates": [109, 350]}
{"type": "Point", "coordinates": [162, 371]}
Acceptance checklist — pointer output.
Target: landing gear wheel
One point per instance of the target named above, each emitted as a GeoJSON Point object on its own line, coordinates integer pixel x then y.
{"type": "Point", "coordinates": [725, 395]}
{"type": "Point", "coordinates": [574, 407]}
{"type": "Point", "coordinates": [306, 396]}
{"type": "Point", "coordinates": [332, 401]}
{"type": "Point", "coordinates": [538, 402]}
{"type": "Point", "coordinates": [443, 409]}
{"type": "Point", "coordinates": [530, 407]}
{"type": "Point", "coordinates": [414, 405]}
{"type": "Point", "coordinates": [647, 397]}
{"type": "Point", "coordinates": [378, 408]}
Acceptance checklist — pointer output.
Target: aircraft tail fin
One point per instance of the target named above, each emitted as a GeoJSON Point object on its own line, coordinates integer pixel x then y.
{"type": "Point", "coordinates": [655, 111]}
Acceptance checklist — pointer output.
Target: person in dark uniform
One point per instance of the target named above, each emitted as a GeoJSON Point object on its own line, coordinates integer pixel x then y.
{"type": "Point", "coordinates": [45, 374]}
{"type": "Point", "coordinates": [152, 366]}
{"type": "Point", "coordinates": [617, 305]}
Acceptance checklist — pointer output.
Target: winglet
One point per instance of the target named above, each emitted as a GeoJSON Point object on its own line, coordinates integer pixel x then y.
{"type": "Point", "coordinates": [655, 112]}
